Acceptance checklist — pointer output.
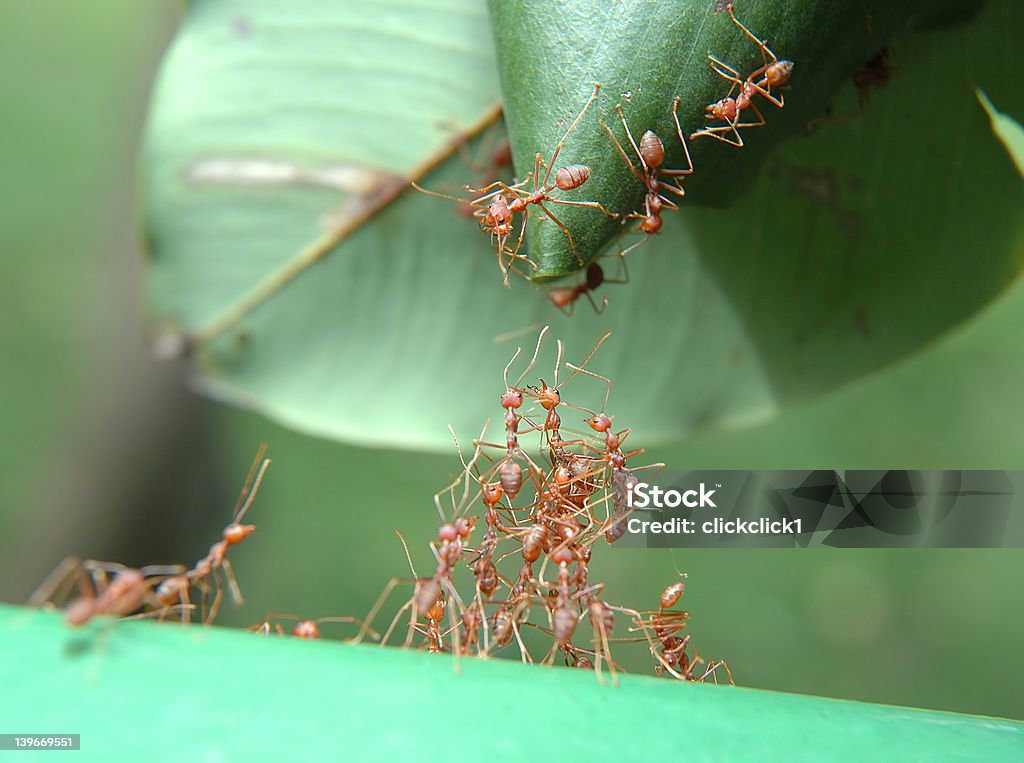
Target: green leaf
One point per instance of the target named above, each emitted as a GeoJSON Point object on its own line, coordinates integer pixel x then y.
{"type": "Point", "coordinates": [216, 693]}
{"type": "Point", "coordinates": [647, 54]}
{"type": "Point", "coordinates": [855, 246]}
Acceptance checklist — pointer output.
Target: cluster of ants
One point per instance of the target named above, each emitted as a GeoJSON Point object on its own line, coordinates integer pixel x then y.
{"type": "Point", "coordinates": [527, 577]}
{"type": "Point", "coordinates": [497, 204]}
{"type": "Point", "coordinates": [534, 518]}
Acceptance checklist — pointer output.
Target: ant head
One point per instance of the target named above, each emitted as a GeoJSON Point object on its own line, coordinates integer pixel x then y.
{"type": "Point", "coordinates": [511, 398]}
{"type": "Point", "coordinates": [464, 526]}
{"type": "Point", "coordinates": [236, 533]}
{"type": "Point", "coordinates": [308, 629]}
{"type": "Point", "coordinates": [548, 397]}
{"type": "Point", "coordinates": [599, 422]}
{"type": "Point", "coordinates": [651, 224]}
{"type": "Point", "coordinates": [491, 493]}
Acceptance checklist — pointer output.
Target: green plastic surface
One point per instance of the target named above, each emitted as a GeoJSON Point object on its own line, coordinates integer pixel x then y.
{"type": "Point", "coordinates": [166, 692]}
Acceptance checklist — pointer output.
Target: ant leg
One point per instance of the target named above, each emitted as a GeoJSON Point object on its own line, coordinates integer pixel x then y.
{"type": "Point", "coordinates": [568, 235]}
{"type": "Point", "coordinates": [574, 203]}
{"type": "Point", "coordinates": [71, 569]}
{"type": "Point", "coordinates": [365, 629]}
{"type": "Point", "coordinates": [588, 372]}
{"type": "Point", "coordinates": [579, 368]}
{"type": "Point", "coordinates": [723, 70]}
{"type": "Point", "coordinates": [597, 310]}
{"type": "Point", "coordinates": [501, 187]}
{"type": "Point", "coordinates": [229, 576]}
{"type": "Point", "coordinates": [668, 203]}
{"type": "Point", "coordinates": [209, 616]}
{"type": "Point", "coordinates": [766, 52]}
{"type": "Point", "coordinates": [621, 271]}
{"type": "Point", "coordinates": [463, 478]}
{"type": "Point", "coordinates": [686, 150]}
{"type": "Point", "coordinates": [394, 622]}
{"type": "Point", "coordinates": [421, 189]}
{"type": "Point", "coordinates": [713, 132]}
{"type": "Point", "coordinates": [162, 570]}
{"type": "Point", "coordinates": [347, 619]}
{"type": "Point", "coordinates": [623, 154]}
{"type": "Point", "coordinates": [733, 127]}
{"type": "Point", "coordinates": [558, 147]}
{"type": "Point", "coordinates": [764, 88]}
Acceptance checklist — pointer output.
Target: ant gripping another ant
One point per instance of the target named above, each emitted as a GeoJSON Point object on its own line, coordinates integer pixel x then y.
{"type": "Point", "coordinates": [773, 73]}
{"type": "Point", "coordinates": [497, 203]}
{"type": "Point", "coordinates": [534, 516]}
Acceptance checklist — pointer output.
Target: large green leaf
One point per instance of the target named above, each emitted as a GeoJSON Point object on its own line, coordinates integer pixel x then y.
{"type": "Point", "coordinates": [211, 693]}
{"type": "Point", "coordinates": [645, 55]}
{"type": "Point", "coordinates": [855, 246]}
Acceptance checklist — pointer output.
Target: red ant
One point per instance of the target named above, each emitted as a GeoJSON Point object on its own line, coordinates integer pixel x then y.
{"type": "Point", "coordinates": [874, 73]}
{"type": "Point", "coordinates": [128, 591]}
{"type": "Point", "coordinates": [177, 588]}
{"type": "Point", "coordinates": [773, 73]}
{"type": "Point", "coordinates": [667, 624]}
{"type": "Point", "coordinates": [431, 595]}
{"type": "Point", "coordinates": [565, 297]}
{"type": "Point", "coordinates": [499, 157]}
{"type": "Point", "coordinates": [651, 153]}
{"type": "Point", "coordinates": [303, 629]}
{"type": "Point", "coordinates": [497, 208]}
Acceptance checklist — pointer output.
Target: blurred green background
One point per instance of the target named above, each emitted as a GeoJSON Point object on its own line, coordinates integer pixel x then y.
{"type": "Point", "coordinates": [107, 455]}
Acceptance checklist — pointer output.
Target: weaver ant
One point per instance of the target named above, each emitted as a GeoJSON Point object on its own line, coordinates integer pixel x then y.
{"type": "Point", "coordinates": [215, 563]}
{"type": "Point", "coordinates": [303, 628]}
{"type": "Point", "coordinates": [497, 208]}
{"type": "Point", "coordinates": [773, 73]}
{"type": "Point", "coordinates": [565, 297]}
{"type": "Point", "coordinates": [651, 153]}
{"type": "Point", "coordinates": [126, 592]}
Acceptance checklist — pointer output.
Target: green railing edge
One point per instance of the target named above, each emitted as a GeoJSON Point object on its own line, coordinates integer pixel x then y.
{"type": "Point", "coordinates": [175, 693]}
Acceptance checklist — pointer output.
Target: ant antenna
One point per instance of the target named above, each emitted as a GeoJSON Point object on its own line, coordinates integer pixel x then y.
{"type": "Point", "coordinates": [255, 488]}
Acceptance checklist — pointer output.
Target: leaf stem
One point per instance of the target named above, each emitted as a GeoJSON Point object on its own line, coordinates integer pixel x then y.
{"type": "Point", "coordinates": [317, 249]}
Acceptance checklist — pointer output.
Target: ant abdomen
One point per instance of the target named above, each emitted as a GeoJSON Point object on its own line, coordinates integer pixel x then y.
{"type": "Point", "coordinates": [652, 149]}
{"type": "Point", "coordinates": [511, 478]}
{"type": "Point", "coordinates": [572, 176]}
